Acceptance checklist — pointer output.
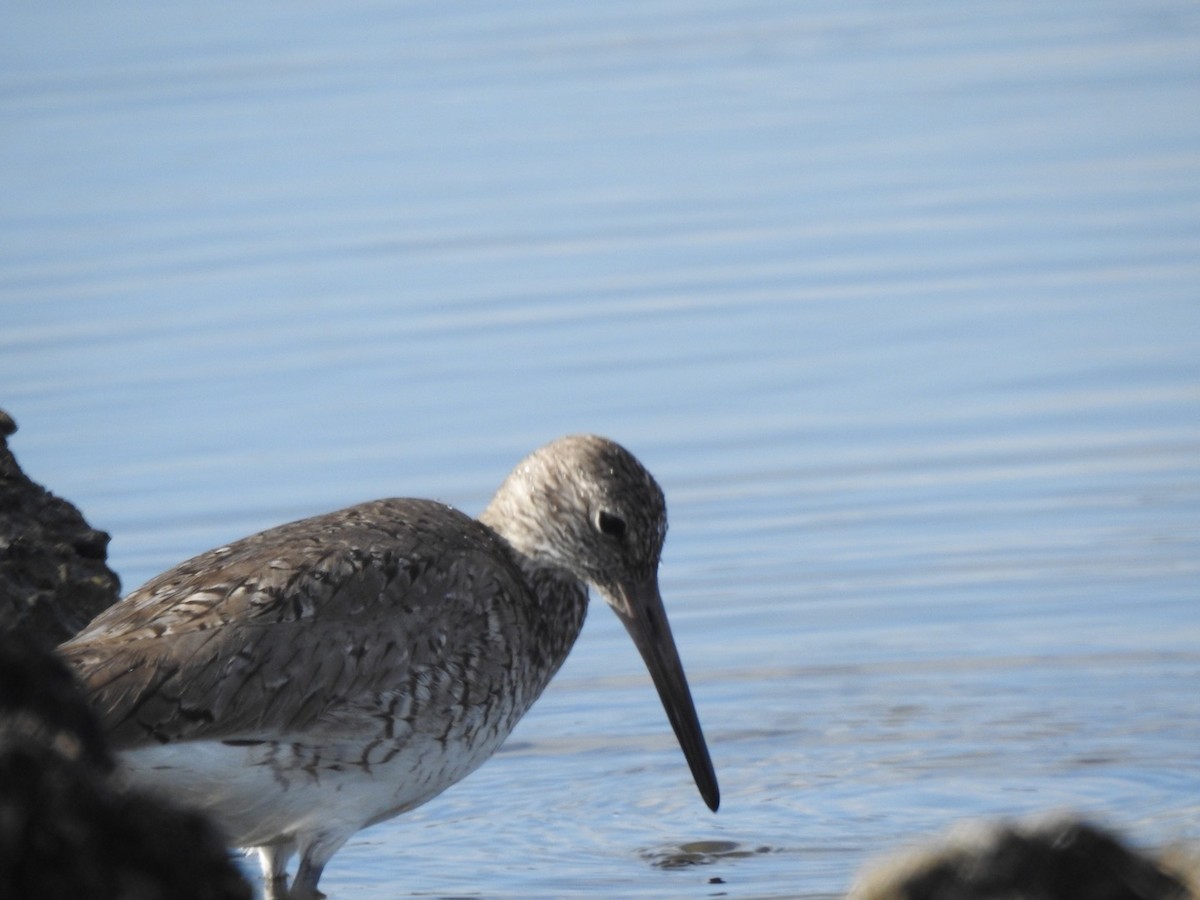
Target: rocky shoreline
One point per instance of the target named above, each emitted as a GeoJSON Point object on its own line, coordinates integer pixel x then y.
{"type": "Point", "coordinates": [68, 829]}
{"type": "Point", "coordinates": [54, 576]}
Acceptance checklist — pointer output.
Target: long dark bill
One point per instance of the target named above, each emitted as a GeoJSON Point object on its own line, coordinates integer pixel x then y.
{"type": "Point", "coordinates": [646, 621]}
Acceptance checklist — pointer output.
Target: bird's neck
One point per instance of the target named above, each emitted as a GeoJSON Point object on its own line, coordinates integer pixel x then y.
{"type": "Point", "coordinates": [561, 597]}
{"type": "Point", "coordinates": [563, 602]}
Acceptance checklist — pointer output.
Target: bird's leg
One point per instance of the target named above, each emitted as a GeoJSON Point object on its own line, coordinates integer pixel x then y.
{"type": "Point", "coordinates": [276, 887]}
{"type": "Point", "coordinates": [305, 886]}
{"type": "Point", "coordinates": [274, 859]}
{"type": "Point", "coordinates": [313, 855]}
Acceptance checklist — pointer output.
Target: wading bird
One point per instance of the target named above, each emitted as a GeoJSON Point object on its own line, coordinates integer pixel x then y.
{"type": "Point", "coordinates": [316, 678]}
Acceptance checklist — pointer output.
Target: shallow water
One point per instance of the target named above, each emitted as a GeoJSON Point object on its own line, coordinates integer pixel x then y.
{"type": "Point", "coordinates": [900, 306]}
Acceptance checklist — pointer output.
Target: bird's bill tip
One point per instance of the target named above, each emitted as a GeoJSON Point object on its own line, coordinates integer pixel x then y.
{"type": "Point", "coordinates": [640, 609]}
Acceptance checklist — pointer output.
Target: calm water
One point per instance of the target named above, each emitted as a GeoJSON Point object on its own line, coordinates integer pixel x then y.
{"type": "Point", "coordinates": [901, 305]}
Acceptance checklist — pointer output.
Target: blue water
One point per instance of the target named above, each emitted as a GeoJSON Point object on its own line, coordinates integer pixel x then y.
{"type": "Point", "coordinates": [901, 306]}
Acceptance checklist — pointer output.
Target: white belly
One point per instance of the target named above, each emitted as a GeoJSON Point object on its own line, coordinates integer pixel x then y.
{"type": "Point", "coordinates": [272, 792]}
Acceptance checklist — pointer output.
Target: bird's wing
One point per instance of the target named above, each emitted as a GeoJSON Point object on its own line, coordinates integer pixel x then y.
{"type": "Point", "coordinates": [290, 628]}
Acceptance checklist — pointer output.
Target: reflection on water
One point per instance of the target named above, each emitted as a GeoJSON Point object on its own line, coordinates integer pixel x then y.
{"type": "Point", "coordinates": [899, 305]}
{"type": "Point", "coordinates": [698, 853]}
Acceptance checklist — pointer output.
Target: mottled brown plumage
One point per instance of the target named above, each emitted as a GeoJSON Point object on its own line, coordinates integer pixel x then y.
{"type": "Point", "coordinates": [312, 679]}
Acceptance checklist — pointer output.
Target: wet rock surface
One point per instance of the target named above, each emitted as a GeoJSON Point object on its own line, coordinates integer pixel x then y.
{"type": "Point", "coordinates": [54, 578]}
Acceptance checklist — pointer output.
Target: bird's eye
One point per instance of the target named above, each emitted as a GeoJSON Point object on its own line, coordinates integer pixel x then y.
{"type": "Point", "coordinates": [613, 526]}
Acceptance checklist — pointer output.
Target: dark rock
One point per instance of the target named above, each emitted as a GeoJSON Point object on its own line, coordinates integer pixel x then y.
{"type": "Point", "coordinates": [53, 576]}
{"type": "Point", "coordinates": [66, 829]}
{"type": "Point", "coordinates": [41, 703]}
{"type": "Point", "coordinates": [1058, 859]}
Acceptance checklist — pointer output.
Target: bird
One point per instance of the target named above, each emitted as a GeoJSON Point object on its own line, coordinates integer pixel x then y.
{"type": "Point", "coordinates": [313, 679]}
